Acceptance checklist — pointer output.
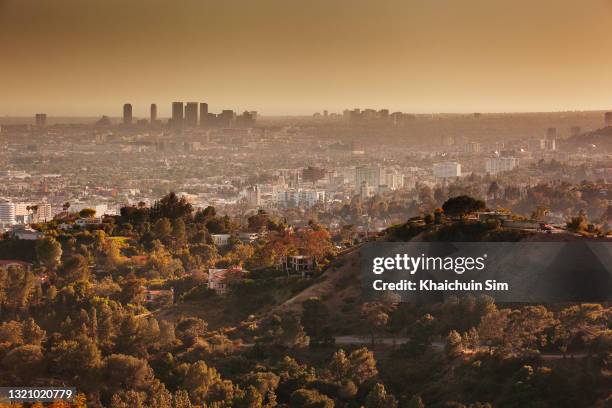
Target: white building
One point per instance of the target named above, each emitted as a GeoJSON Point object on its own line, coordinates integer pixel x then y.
{"type": "Point", "coordinates": [300, 197]}
{"type": "Point", "coordinates": [371, 175]}
{"type": "Point", "coordinates": [496, 165]}
{"type": "Point", "coordinates": [34, 212]}
{"type": "Point", "coordinates": [7, 212]}
{"type": "Point", "coordinates": [220, 240]}
{"type": "Point", "coordinates": [394, 181]}
{"type": "Point", "coordinates": [27, 233]}
{"type": "Point", "coordinates": [447, 170]}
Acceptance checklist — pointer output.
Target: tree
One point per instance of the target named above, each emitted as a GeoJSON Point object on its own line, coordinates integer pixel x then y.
{"type": "Point", "coordinates": [462, 205]}
{"type": "Point", "coordinates": [376, 313]}
{"type": "Point", "coordinates": [578, 223]}
{"type": "Point", "coordinates": [315, 317]}
{"type": "Point", "coordinates": [415, 402]}
{"type": "Point", "coordinates": [200, 380]}
{"type": "Point", "coordinates": [162, 228]}
{"type": "Point", "coordinates": [171, 207]}
{"type": "Point", "coordinates": [304, 398]}
{"type": "Point", "coordinates": [87, 213]}
{"type": "Point", "coordinates": [48, 252]}
{"type": "Point", "coordinates": [75, 268]}
{"type": "Point", "coordinates": [580, 322]}
{"type": "Point", "coordinates": [251, 398]}
{"type": "Point", "coordinates": [25, 362]}
{"type": "Point", "coordinates": [492, 328]}
{"type": "Point", "coordinates": [378, 398]}
{"type": "Point", "coordinates": [127, 372]}
{"type": "Point", "coordinates": [347, 390]}
{"type": "Point", "coordinates": [178, 231]}
{"type": "Point", "coordinates": [32, 333]}
{"type": "Point", "coordinates": [362, 365]}
{"type": "Point", "coordinates": [453, 345]}
{"type": "Point", "coordinates": [339, 366]}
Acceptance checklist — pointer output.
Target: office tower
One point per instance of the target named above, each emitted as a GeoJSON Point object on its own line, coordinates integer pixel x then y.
{"type": "Point", "coordinates": [246, 119]}
{"type": "Point", "coordinates": [496, 165]}
{"type": "Point", "coordinates": [153, 113]}
{"type": "Point", "coordinates": [7, 212]}
{"type": "Point", "coordinates": [177, 114]}
{"type": "Point", "coordinates": [473, 147]}
{"type": "Point", "coordinates": [191, 114]}
{"type": "Point", "coordinates": [41, 119]}
{"type": "Point", "coordinates": [127, 114]}
{"type": "Point", "coordinates": [447, 170]}
{"type": "Point", "coordinates": [203, 114]}
{"type": "Point", "coordinates": [370, 175]}
{"type": "Point", "coordinates": [608, 118]}
{"type": "Point", "coordinates": [226, 118]}
{"type": "Point", "coordinates": [313, 174]}
{"type": "Point", "coordinates": [551, 133]}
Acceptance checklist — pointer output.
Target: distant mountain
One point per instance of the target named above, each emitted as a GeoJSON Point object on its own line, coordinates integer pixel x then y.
{"type": "Point", "coordinates": [600, 139]}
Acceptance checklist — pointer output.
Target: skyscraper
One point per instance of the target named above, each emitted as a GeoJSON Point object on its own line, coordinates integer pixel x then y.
{"type": "Point", "coordinates": [226, 118]}
{"type": "Point", "coordinates": [41, 119]}
{"type": "Point", "coordinates": [608, 118]}
{"type": "Point", "coordinates": [203, 113]}
{"type": "Point", "coordinates": [153, 113]}
{"type": "Point", "coordinates": [127, 114]}
{"type": "Point", "coordinates": [191, 114]}
{"type": "Point", "coordinates": [177, 114]}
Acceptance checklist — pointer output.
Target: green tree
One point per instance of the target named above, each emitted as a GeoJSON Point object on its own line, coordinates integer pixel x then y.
{"type": "Point", "coordinates": [462, 205]}
{"type": "Point", "coordinates": [453, 345]}
{"type": "Point", "coordinates": [362, 365]}
{"type": "Point", "coordinates": [304, 398]}
{"type": "Point", "coordinates": [315, 317]}
{"type": "Point", "coordinates": [48, 252]}
{"type": "Point", "coordinates": [87, 213]}
{"type": "Point", "coordinates": [378, 398]}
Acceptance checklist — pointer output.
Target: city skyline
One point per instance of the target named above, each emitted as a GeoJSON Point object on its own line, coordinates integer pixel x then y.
{"type": "Point", "coordinates": [271, 56]}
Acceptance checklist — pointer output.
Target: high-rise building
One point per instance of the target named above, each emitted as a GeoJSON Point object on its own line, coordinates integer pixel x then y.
{"type": "Point", "coordinates": [473, 147]}
{"type": "Point", "coordinates": [496, 165]}
{"type": "Point", "coordinates": [7, 212]}
{"type": "Point", "coordinates": [313, 174]}
{"type": "Point", "coordinates": [191, 114]}
{"type": "Point", "coordinates": [226, 118]}
{"type": "Point", "coordinates": [127, 114]}
{"type": "Point", "coordinates": [203, 113]}
{"type": "Point", "coordinates": [608, 118]}
{"type": "Point", "coordinates": [447, 170]}
{"type": "Point", "coordinates": [551, 133]}
{"type": "Point", "coordinates": [153, 113]}
{"type": "Point", "coordinates": [177, 114]}
{"type": "Point", "coordinates": [370, 175]}
{"type": "Point", "coordinates": [41, 119]}
{"type": "Point", "coordinates": [253, 196]}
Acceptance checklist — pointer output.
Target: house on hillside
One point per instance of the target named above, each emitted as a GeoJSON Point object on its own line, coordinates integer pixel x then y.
{"type": "Point", "coordinates": [299, 264]}
{"type": "Point", "coordinates": [27, 233]}
{"type": "Point", "coordinates": [159, 296]}
{"type": "Point", "coordinates": [220, 280]}
{"type": "Point", "coordinates": [220, 240]}
{"type": "Point", "coordinates": [86, 222]}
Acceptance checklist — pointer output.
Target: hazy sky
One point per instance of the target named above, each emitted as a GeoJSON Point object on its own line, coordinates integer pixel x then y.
{"type": "Point", "coordinates": [88, 57]}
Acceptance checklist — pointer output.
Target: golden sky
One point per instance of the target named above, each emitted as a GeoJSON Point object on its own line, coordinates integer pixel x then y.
{"type": "Point", "coordinates": [88, 57]}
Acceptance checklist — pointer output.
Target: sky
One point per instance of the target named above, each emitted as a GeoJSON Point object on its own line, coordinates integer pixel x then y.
{"type": "Point", "coordinates": [286, 57]}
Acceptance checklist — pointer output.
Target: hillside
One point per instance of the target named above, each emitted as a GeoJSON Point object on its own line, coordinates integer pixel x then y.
{"type": "Point", "coordinates": [601, 139]}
